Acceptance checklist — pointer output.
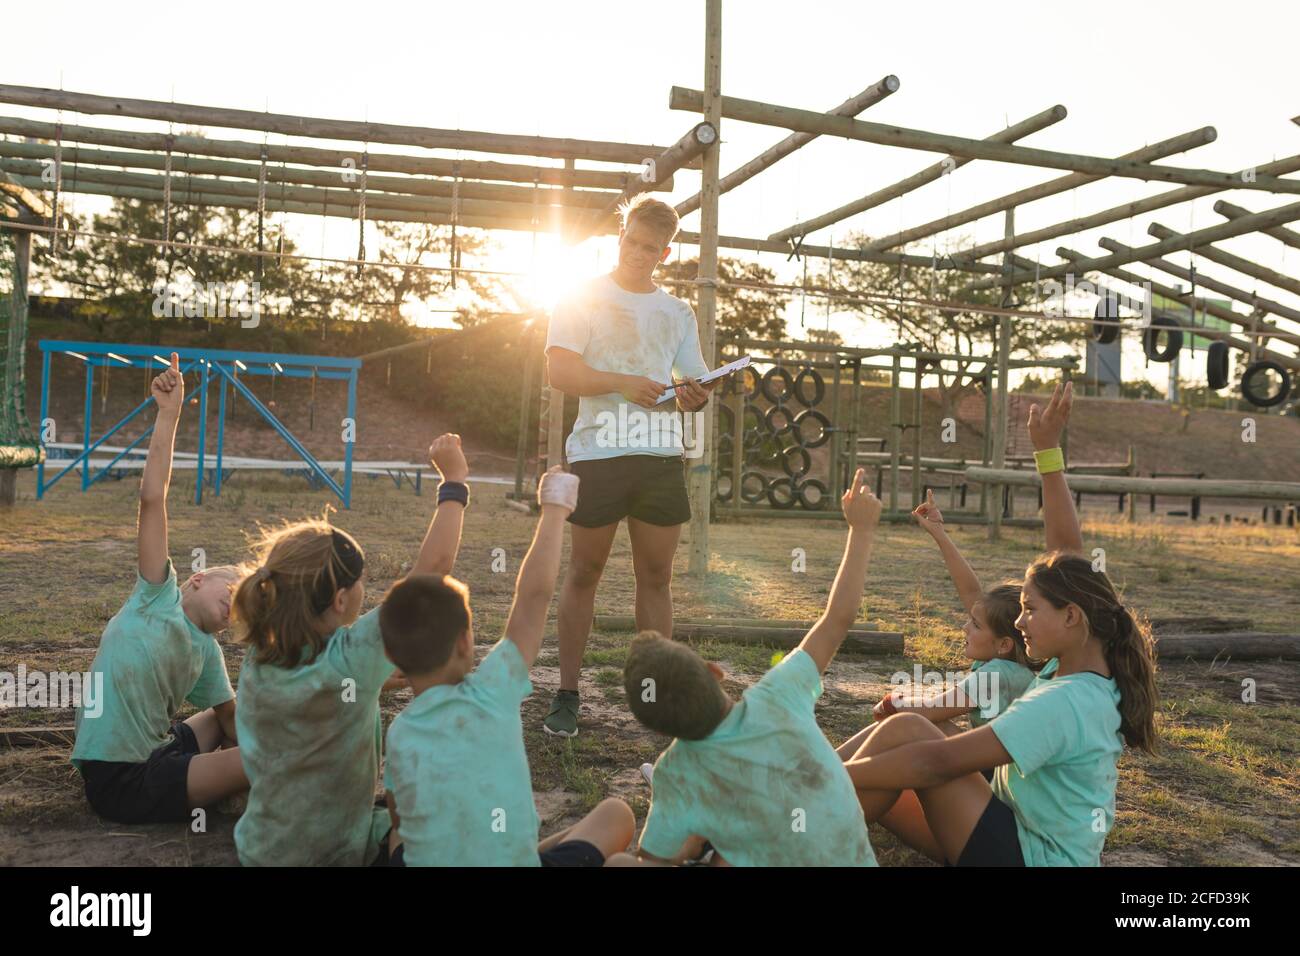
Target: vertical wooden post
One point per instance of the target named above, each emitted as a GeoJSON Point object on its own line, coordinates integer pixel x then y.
{"type": "Point", "coordinates": [987, 456]}
{"type": "Point", "coordinates": [916, 433]}
{"type": "Point", "coordinates": [1000, 403]}
{"type": "Point", "coordinates": [16, 355]}
{"type": "Point", "coordinates": [895, 429]}
{"type": "Point", "coordinates": [701, 479]}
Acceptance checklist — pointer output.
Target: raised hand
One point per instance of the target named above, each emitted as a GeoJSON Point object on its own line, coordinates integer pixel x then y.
{"type": "Point", "coordinates": [928, 515]}
{"type": "Point", "coordinates": [445, 455]}
{"type": "Point", "coordinates": [1046, 425]}
{"type": "Point", "coordinates": [168, 387]}
{"type": "Point", "coordinates": [641, 390]}
{"type": "Point", "coordinates": [558, 488]}
{"type": "Point", "coordinates": [861, 508]}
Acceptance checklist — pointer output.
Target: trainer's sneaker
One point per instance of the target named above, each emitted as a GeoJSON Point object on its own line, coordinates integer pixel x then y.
{"type": "Point", "coordinates": [648, 772]}
{"type": "Point", "coordinates": [562, 720]}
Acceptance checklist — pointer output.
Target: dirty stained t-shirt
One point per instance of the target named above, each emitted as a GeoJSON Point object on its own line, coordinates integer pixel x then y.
{"type": "Point", "coordinates": [766, 788]}
{"type": "Point", "coordinates": [458, 772]}
{"type": "Point", "coordinates": [152, 657]}
{"type": "Point", "coordinates": [651, 334]}
{"type": "Point", "coordinates": [310, 740]}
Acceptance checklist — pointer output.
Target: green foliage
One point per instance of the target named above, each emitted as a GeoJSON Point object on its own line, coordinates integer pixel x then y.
{"type": "Point", "coordinates": [756, 313]}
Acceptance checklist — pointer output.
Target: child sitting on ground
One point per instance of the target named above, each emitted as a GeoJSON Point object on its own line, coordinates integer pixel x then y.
{"type": "Point", "coordinates": [756, 778]}
{"type": "Point", "coordinates": [156, 652]}
{"type": "Point", "coordinates": [456, 772]}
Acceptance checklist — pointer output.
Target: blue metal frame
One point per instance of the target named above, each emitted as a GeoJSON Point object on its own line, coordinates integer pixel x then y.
{"type": "Point", "coordinates": [224, 363]}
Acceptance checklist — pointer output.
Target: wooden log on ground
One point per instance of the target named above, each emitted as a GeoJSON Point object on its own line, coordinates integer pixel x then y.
{"type": "Point", "coordinates": [1199, 625]}
{"type": "Point", "coordinates": [1114, 484]}
{"type": "Point", "coordinates": [190, 115]}
{"type": "Point", "coordinates": [1236, 645]}
{"type": "Point", "coordinates": [776, 634]}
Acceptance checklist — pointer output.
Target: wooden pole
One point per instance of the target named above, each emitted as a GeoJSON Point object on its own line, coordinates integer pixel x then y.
{"type": "Point", "coordinates": [1231, 291]}
{"type": "Point", "coordinates": [769, 157]}
{"type": "Point", "coordinates": [1114, 484]}
{"type": "Point", "coordinates": [839, 254]}
{"type": "Point", "coordinates": [1003, 387]}
{"type": "Point", "coordinates": [1116, 213]}
{"type": "Point", "coordinates": [190, 115]}
{"type": "Point", "coordinates": [79, 160]}
{"type": "Point", "coordinates": [701, 483]}
{"type": "Point", "coordinates": [1223, 230]}
{"type": "Point", "coordinates": [1237, 263]}
{"type": "Point", "coordinates": [895, 427]}
{"type": "Point", "coordinates": [918, 476]}
{"type": "Point", "coordinates": [767, 114]}
{"type": "Point", "coordinates": [334, 160]}
{"type": "Point", "coordinates": [16, 348]}
{"type": "Point", "coordinates": [944, 167]}
{"type": "Point", "coordinates": [1169, 147]}
{"type": "Point", "coordinates": [1282, 234]}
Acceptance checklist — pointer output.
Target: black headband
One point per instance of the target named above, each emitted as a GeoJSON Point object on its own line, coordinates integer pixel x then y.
{"type": "Point", "coordinates": [348, 564]}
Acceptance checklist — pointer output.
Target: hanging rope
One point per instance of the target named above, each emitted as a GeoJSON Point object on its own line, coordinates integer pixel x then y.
{"type": "Point", "coordinates": [455, 219]}
{"type": "Point", "coordinates": [261, 212]}
{"type": "Point", "coordinates": [58, 181]}
{"type": "Point", "coordinates": [167, 194]}
{"type": "Point", "coordinates": [361, 211]}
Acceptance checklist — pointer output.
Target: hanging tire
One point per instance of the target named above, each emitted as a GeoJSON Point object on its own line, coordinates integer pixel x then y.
{"type": "Point", "coordinates": [809, 374]}
{"type": "Point", "coordinates": [769, 385]}
{"type": "Point", "coordinates": [723, 487]}
{"type": "Point", "coordinates": [1172, 329]}
{"type": "Point", "coordinates": [1216, 365]}
{"type": "Point", "coordinates": [726, 421]}
{"type": "Point", "coordinates": [1107, 310]}
{"type": "Point", "coordinates": [779, 419]}
{"type": "Point", "coordinates": [1251, 380]}
{"type": "Point", "coordinates": [753, 487]}
{"type": "Point", "coordinates": [781, 494]}
{"type": "Point", "coordinates": [816, 501]}
{"type": "Point", "coordinates": [754, 426]}
{"type": "Point", "coordinates": [800, 428]}
{"type": "Point", "coordinates": [769, 451]}
{"type": "Point", "coordinates": [726, 447]}
{"type": "Point", "coordinates": [792, 453]}
{"type": "Point", "coordinates": [752, 382]}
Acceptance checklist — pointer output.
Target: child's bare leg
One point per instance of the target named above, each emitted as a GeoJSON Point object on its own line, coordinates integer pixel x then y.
{"type": "Point", "coordinates": [214, 776]}
{"type": "Point", "coordinates": [906, 820]}
{"type": "Point", "coordinates": [609, 827]}
{"type": "Point", "coordinates": [207, 730]}
{"type": "Point", "coordinates": [886, 735]}
{"type": "Point", "coordinates": [850, 747]}
{"type": "Point", "coordinates": [949, 728]}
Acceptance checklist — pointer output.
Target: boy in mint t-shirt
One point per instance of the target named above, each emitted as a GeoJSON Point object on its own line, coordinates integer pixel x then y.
{"type": "Point", "coordinates": [157, 652]}
{"type": "Point", "coordinates": [755, 778]}
{"type": "Point", "coordinates": [456, 773]}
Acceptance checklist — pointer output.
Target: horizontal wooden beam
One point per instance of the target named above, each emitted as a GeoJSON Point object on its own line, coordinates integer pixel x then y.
{"type": "Point", "coordinates": [1168, 147]}
{"type": "Point", "coordinates": [1223, 230]}
{"type": "Point", "coordinates": [767, 114]}
{"type": "Point", "coordinates": [1237, 263]}
{"type": "Point", "coordinates": [312, 126]}
{"type": "Point", "coordinates": [1229, 211]}
{"type": "Point", "coordinates": [182, 164]}
{"type": "Point", "coordinates": [774, 154]}
{"type": "Point", "coordinates": [838, 253]}
{"type": "Point", "coordinates": [1115, 213]}
{"type": "Point", "coordinates": [336, 161]}
{"type": "Point", "coordinates": [1258, 302]}
{"type": "Point", "coordinates": [944, 167]}
{"type": "Point", "coordinates": [1113, 484]}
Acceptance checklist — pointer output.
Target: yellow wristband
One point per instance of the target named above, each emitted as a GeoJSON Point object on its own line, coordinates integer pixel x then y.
{"type": "Point", "coordinates": [1049, 460]}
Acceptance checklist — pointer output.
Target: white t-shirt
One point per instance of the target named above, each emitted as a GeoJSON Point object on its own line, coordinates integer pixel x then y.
{"type": "Point", "coordinates": [653, 334]}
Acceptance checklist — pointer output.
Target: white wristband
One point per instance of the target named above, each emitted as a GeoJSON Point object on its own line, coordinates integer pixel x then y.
{"type": "Point", "coordinates": [558, 488]}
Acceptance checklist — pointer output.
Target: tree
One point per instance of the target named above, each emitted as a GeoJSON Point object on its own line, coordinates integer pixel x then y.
{"type": "Point", "coordinates": [934, 329]}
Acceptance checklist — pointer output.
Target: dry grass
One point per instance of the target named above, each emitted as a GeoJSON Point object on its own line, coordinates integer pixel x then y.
{"type": "Point", "coordinates": [1223, 788]}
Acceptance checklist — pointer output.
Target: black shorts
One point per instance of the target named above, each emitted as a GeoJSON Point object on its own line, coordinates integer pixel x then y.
{"type": "Point", "coordinates": [570, 853]}
{"type": "Point", "coordinates": [650, 488]}
{"type": "Point", "coordinates": [149, 792]}
{"type": "Point", "coordinates": [995, 841]}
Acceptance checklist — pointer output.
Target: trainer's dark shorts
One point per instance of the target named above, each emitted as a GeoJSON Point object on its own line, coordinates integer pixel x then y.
{"type": "Point", "coordinates": [995, 840]}
{"type": "Point", "coordinates": [650, 488]}
{"type": "Point", "coordinates": [570, 853]}
{"type": "Point", "coordinates": [149, 792]}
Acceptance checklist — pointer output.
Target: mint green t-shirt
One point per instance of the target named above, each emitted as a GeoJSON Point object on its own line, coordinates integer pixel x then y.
{"type": "Point", "coordinates": [766, 788]}
{"type": "Point", "coordinates": [458, 772]}
{"type": "Point", "coordinates": [653, 334]}
{"type": "Point", "coordinates": [993, 685]}
{"type": "Point", "coordinates": [1063, 736]}
{"type": "Point", "coordinates": [310, 741]}
{"type": "Point", "coordinates": [151, 658]}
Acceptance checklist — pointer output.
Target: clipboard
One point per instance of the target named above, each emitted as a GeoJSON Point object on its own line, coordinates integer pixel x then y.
{"type": "Point", "coordinates": [717, 373]}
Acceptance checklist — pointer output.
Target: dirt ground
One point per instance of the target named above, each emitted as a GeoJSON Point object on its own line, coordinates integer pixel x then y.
{"type": "Point", "coordinates": [1222, 790]}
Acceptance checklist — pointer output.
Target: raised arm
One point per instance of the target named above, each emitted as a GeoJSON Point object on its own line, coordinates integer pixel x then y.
{"type": "Point", "coordinates": [862, 512]}
{"type": "Point", "coordinates": [558, 495]}
{"type": "Point", "coordinates": [168, 391]}
{"type": "Point", "coordinates": [1060, 520]}
{"type": "Point", "coordinates": [566, 371]}
{"type": "Point", "coordinates": [929, 517]}
{"type": "Point", "coordinates": [442, 540]}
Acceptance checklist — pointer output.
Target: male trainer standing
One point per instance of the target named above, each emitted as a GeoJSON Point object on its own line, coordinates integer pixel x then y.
{"type": "Point", "coordinates": [617, 344]}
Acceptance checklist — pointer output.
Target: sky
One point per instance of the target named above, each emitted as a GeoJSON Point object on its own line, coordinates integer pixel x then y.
{"type": "Point", "coordinates": [1129, 74]}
